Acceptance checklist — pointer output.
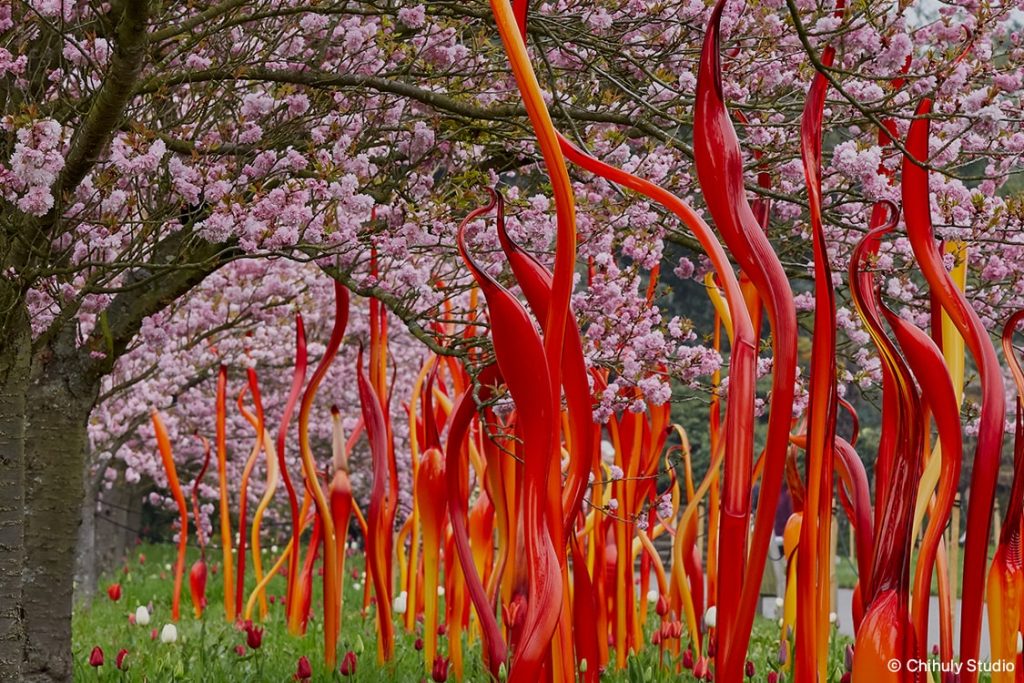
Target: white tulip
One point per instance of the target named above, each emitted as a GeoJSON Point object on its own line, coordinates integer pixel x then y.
{"type": "Point", "coordinates": [356, 586]}
{"type": "Point", "coordinates": [401, 603]}
{"type": "Point", "coordinates": [440, 591]}
{"type": "Point", "coordinates": [711, 616]}
{"type": "Point", "coordinates": [169, 633]}
{"type": "Point", "coordinates": [652, 596]}
{"type": "Point", "coordinates": [833, 617]}
{"type": "Point", "coordinates": [142, 615]}
{"type": "Point", "coordinates": [1020, 642]}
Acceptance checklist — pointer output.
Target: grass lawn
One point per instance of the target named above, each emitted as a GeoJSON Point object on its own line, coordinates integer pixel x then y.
{"type": "Point", "coordinates": [206, 648]}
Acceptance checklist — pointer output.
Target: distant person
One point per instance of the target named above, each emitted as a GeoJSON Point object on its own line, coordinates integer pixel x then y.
{"type": "Point", "coordinates": [777, 553]}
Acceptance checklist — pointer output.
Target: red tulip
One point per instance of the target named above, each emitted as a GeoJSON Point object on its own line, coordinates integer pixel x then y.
{"type": "Point", "coordinates": [121, 654]}
{"type": "Point", "coordinates": [142, 558]}
{"type": "Point", "coordinates": [304, 671]}
{"type": "Point", "coordinates": [153, 634]}
{"type": "Point", "coordinates": [749, 669]}
{"type": "Point", "coordinates": [114, 591]}
{"type": "Point", "coordinates": [240, 650]}
{"type": "Point", "coordinates": [253, 636]}
{"type": "Point", "coordinates": [662, 607]}
{"type": "Point", "coordinates": [440, 671]}
{"type": "Point", "coordinates": [348, 664]}
{"type": "Point", "coordinates": [418, 644]}
{"type": "Point", "coordinates": [700, 668]}
{"type": "Point", "coordinates": [131, 618]}
{"type": "Point", "coordinates": [773, 677]}
{"type": "Point", "coordinates": [687, 659]}
{"type": "Point", "coordinates": [96, 656]}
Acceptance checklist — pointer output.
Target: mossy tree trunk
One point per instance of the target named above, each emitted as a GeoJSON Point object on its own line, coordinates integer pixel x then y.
{"type": "Point", "coordinates": [61, 395]}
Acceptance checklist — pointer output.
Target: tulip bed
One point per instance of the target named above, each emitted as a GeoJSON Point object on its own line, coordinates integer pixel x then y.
{"type": "Point", "coordinates": [208, 649]}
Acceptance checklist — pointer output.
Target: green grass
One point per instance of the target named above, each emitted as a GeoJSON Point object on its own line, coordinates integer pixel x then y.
{"type": "Point", "coordinates": [846, 572]}
{"type": "Point", "coordinates": [205, 649]}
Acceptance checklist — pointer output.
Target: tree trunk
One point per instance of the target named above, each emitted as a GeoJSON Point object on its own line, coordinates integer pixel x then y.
{"type": "Point", "coordinates": [118, 517]}
{"type": "Point", "coordinates": [86, 574]}
{"type": "Point", "coordinates": [14, 371]}
{"type": "Point", "coordinates": [60, 397]}
{"type": "Point", "coordinates": [63, 384]}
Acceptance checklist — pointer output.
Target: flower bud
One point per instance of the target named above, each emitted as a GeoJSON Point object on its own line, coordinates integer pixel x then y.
{"type": "Point", "coordinates": [303, 671]}
{"type": "Point", "coordinates": [348, 664]}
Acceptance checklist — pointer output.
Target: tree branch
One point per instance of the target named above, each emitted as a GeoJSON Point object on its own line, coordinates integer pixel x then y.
{"type": "Point", "coordinates": [192, 259]}
{"type": "Point", "coordinates": [435, 100]}
{"type": "Point", "coordinates": [102, 120]}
